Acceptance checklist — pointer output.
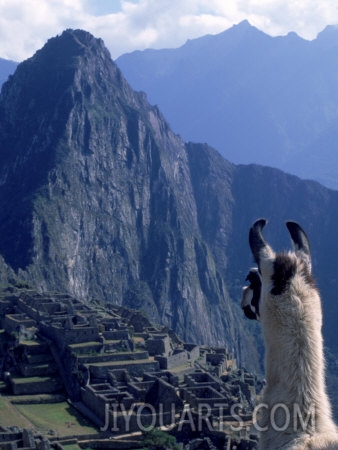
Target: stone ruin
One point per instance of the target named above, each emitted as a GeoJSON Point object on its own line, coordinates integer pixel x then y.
{"type": "Point", "coordinates": [116, 368]}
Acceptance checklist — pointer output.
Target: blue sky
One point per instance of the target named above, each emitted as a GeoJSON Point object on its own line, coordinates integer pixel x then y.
{"type": "Point", "coordinates": [127, 25]}
{"type": "Point", "coordinates": [103, 7]}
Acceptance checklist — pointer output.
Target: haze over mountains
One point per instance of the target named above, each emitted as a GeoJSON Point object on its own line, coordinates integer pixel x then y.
{"type": "Point", "coordinates": [255, 98]}
{"type": "Point", "coordinates": [99, 198]}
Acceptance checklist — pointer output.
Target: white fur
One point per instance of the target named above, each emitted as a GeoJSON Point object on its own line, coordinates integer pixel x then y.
{"type": "Point", "coordinates": [294, 362]}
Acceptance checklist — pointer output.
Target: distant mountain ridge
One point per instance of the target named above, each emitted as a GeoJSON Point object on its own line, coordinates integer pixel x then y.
{"type": "Point", "coordinates": [255, 98]}
{"type": "Point", "coordinates": [7, 68]}
{"type": "Point", "coordinates": [102, 200]}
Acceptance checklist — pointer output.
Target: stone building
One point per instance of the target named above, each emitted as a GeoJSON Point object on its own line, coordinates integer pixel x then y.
{"type": "Point", "coordinates": [114, 366]}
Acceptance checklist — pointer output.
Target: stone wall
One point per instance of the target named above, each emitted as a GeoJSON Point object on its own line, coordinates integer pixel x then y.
{"type": "Point", "coordinates": [201, 379]}
{"type": "Point", "coordinates": [165, 375]}
{"type": "Point", "coordinates": [193, 351]}
{"type": "Point", "coordinates": [28, 309]}
{"type": "Point", "coordinates": [112, 357]}
{"type": "Point", "coordinates": [116, 335]}
{"type": "Point", "coordinates": [139, 389]}
{"type": "Point", "coordinates": [218, 361]}
{"type": "Point", "coordinates": [196, 396]}
{"type": "Point", "coordinates": [64, 337]}
{"type": "Point", "coordinates": [96, 397]}
{"type": "Point", "coordinates": [158, 344]}
{"type": "Point", "coordinates": [136, 368]}
{"type": "Point", "coordinates": [12, 322]}
{"type": "Point", "coordinates": [40, 386]}
{"type": "Point", "coordinates": [174, 360]}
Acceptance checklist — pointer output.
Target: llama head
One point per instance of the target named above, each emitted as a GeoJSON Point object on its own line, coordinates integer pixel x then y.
{"type": "Point", "coordinates": [282, 284]}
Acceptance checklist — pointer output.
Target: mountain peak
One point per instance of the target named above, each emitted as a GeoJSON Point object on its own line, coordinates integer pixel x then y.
{"type": "Point", "coordinates": [244, 25]}
{"type": "Point", "coordinates": [53, 96]}
{"type": "Point", "coordinates": [75, 39]}
{"type": "Point", "coordinates": [72, 62]}
{"type": "Point", "coordinates": [96, 192]}
{"type": "Point", "coordinates": [63, 48]}
{"type": "Point", "coordinates": [329, 36]}
{"type": "Point", "coordinates": [82, 37]}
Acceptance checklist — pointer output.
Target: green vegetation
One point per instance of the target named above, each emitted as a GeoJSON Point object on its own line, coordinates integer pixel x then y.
{"type": "Point", "coordinates": [9, 415]}
{"type": "Point", "coordinates": [61, 417]}
{"type": "Point", "coordinates": [159, 440]}
{"type": "Point", "coordinates": [37, 398]}
{"type": "Point", "coordinates": [85, 344]}
{"type": "Point", "coordinates": [71, 447]}
{"type": "Point", "coordinates": [26, 380]}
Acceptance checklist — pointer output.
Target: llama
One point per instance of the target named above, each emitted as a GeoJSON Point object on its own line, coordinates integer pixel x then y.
{"type": "Point", "coordinates": [295, 412]}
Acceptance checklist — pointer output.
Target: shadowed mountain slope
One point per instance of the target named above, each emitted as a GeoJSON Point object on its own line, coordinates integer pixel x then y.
{"type": "Point", "coordinates": [7, 67]}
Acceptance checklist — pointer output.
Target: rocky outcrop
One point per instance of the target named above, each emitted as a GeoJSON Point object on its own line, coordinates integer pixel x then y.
{"type": "Point", "coordinates": [98, 193]}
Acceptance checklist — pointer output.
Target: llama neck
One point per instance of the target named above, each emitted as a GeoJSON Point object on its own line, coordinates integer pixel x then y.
{"type": "Point", "coordinates": [295, 367]}
{"type": "Point", "coordinates": [296, 387]}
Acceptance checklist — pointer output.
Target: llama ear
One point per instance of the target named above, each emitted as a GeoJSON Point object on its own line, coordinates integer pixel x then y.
{"type": "Point", "coordinates": [260, 249]}
{"type": "Point", "coordinates": [300, 241]}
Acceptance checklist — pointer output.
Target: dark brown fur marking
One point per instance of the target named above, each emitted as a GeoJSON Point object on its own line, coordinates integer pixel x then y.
{"type": "Point", "coordinates": [284, 269]}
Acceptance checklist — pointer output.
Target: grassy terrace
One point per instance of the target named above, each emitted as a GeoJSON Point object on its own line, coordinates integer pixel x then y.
{"type": "Point", "coordinates": [9, 415]}
{"type": "Point", "coordinates": [30, 343]}
{"type": "Point", "coordinates": [85, 344]}
{"type": "Point", "coordinates": [94, 343]}
{"type": "Point", "coordinates": [25, 380]}
{"type": "Point", "coordinates": [60, 417]}
{"type": "Point", "coordinates": [124, 362]}
{"type": "Point", "coordinates": [122, 355]}
{"type": "Point", "coordinates": [71, 447]}
{"type": "Point", "coordinates": [91, 346]}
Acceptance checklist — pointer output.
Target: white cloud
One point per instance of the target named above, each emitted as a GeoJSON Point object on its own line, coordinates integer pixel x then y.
{"type": "Point", "coordinates": [306, 17]}
{"type": "Point", "coordinates": [25, 25]}
{"type": "Point", "coordinates": [161, 24]}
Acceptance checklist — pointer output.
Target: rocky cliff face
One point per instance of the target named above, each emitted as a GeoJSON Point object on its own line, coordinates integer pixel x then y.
{"type": "Point", "coordinates": [102, 200]}
{"type": "Point", "coordinates": [98, 195]}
